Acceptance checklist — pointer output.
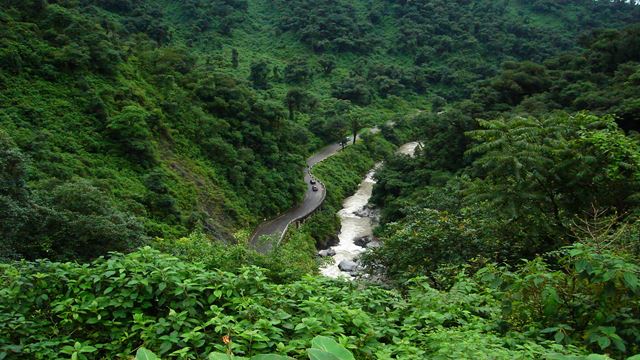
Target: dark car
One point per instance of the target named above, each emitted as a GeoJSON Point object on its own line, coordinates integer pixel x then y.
{"type": "Point", "coordinates": [314, 188]}
{"type": "Point", "coordinates": [312, 181]}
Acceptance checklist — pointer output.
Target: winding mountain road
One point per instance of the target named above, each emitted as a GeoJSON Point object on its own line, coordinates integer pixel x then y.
{"type": "Point", "coordinates": [312, 200]}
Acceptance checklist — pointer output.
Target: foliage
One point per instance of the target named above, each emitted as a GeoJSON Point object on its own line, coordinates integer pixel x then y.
{"type": "Point", "coordinates": [150, 102]}
{"type": "Point", "coordinates": [260, 75]}
{"type": "Point", "coordinates": [592, 298]}
{"type": "Point", "coordinates": [322, 348]}
{"type": "Point", "coordinates": [100, 91]}
{"type": "Point", "coordinates": [442, 46]}
{"type": "Point", "coordinates": [427, 239]}
{"type": "Point", "coordinates": [129, 120]}
{"type": "Point", "coordinates": [285, 263]}
{"type": "Point", "coordinates": [179, 309]}
{"type": "Point", "coordinates": [326, 25]}
{"type": "Point", "coordinates": [131, 130]}
{"type": "Point", "coordinates": [526, 180]}
{"type": "Point", "coordinates": [599, 79]}
{"type": "Point", "coordinates": [532, 183]}
{"type": "Point", "coordinates": [73, 220]}
{"type": "Point", "coordinates": [541, 173]}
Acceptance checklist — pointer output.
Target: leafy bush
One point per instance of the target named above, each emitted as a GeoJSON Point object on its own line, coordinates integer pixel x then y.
{"type": "Point", "coordinates": [531, 181]}
{"type": "Point", "coordinates": [322, 348]}
{"type": "Point", "coordinates": [131, 130]}
{"type": "Point", "coordinates": [592, 298]}
{"type": "Point", "coordinates": [287, 262]}
{"type": "Point", "coordinates": [177, 309]}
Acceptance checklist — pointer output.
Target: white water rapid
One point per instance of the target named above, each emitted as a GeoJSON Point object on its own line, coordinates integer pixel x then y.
{"type": "Point", "coordinates": [356, 223]}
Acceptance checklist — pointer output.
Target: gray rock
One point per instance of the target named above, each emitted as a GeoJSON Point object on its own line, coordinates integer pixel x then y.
{"type": "Point", "coordinates": [363, 241]}
{"type": "Point", "coordinates": [326, 253]}
{"type": "Point", "coordinates": [366, 211]}
{"type": "Point", "coordinates": [373, 245]}
{"type": "Point", "coordinates": [361, 213]}
{"type": "Point", "coordinates": [348, 266]}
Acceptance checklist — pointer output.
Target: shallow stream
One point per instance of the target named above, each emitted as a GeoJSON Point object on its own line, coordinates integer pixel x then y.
{"type": "Point", "coordinates": [356, 223]}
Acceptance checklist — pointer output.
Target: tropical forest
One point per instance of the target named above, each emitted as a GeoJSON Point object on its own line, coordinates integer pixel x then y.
{"type": "Point", "coordinates": [319, 179]}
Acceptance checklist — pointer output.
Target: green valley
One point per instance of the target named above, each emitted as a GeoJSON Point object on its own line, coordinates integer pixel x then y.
{"type": "Point", "coordinates": [143, 141]}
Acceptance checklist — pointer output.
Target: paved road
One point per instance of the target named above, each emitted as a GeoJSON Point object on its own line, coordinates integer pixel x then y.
{"type": "Point", "coordinates": [312, 200]}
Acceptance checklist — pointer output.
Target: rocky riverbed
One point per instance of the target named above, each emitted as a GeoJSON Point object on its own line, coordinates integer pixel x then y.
{"type": "Point", "coordinates": [358, 219]}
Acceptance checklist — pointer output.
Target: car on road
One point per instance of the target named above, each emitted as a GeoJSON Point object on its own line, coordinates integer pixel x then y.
{"type": "Point", "coordinates": [314, 188]}
{"type": "Point", "coordinates": [312, 181]}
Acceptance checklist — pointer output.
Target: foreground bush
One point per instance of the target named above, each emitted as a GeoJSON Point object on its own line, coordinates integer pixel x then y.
{"type": "Point", "coordinates": [177, 309]}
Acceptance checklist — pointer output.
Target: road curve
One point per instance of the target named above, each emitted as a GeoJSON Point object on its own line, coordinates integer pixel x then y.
{"type": "Point", "coordinates": [312, 200]}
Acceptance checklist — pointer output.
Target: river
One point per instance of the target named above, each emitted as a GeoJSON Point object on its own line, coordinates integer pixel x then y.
{"type": "Point", "coordinates": [356, 223]}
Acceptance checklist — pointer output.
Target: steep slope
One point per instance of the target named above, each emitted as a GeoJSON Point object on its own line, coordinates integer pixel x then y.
{"type": "Point", "coordinates": [178, 116]}
{"type": "Point", "coordinates": [153, 129]}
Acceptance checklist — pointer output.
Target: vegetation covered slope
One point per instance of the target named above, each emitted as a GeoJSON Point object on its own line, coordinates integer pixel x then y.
{"type": "Point", "coordinates": [92, 107]}
{"type": "Point", "coordinates": [182, 310]}
{"type": "Point", "coordinates": [513, 234]}
{"type": "Point", "coordinates": [516, 174]}
{"type": "Point", "coordinates": [440, 47]}
{"type": "Point", "coordinates": [170, 117]}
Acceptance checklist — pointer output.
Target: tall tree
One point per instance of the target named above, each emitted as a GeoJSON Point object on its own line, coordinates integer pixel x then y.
{"type": "Point", "coordinates": [328, 64]}
{"type": "Point", "coordinates": [235, 61]}
{"type": "Point", "coordinates": [542, 173]}
{"type": "Point", "coordinates": [299, 100]}
{"type": "Point", "coordinates": [260, 75]}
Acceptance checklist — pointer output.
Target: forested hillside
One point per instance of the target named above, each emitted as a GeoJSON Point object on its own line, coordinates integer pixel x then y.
{"type": "Point", "coordinates": [540, 165]}
{"type": "Point", "coordinates": [142, 141]}
{"type": "Point", "coordinates": [171, 117]}
{"type": "Point", "coordinates": [542, 155]}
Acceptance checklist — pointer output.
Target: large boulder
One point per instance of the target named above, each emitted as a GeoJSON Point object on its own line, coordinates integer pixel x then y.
{"type": "Point", "coordinates": [348, 266]}
{"type": "Point", "coordinates": [373, 244]}
{"type": "Point", "coordinates": [327, 253]}
{"type": "Point", "coordinates": [368, 211]}
{"type": "Point", "coordinates": [365, 211]}
{"type": "Point", "coordinates": [363, 241]}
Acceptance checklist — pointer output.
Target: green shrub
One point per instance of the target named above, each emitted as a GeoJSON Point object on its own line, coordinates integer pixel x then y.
{"type": "Point", "coordinates": [177, 309]}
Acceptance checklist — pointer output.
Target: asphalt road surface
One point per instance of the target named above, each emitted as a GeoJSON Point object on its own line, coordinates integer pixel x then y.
{"type": "Point", "coordinates": [312, 200]}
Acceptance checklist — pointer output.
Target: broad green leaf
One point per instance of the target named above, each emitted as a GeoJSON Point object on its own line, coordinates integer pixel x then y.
{"type": "Point", "coordinates": [598, 357]}
{"type": "Point", "coordinates": [317, 354]}
{"type": "Point", "coordinates": [608, 330]}
{"type": "Point", "coordinates": [604, 342]}
{"type": "Point", "coordinates": [559, 337]}
{"type": "Point", "coordinates": [581, 265]}
{"type": "Point", "coordinates": [331, 346]}
{"type": "Point", "coordinates": [144, 354]}
{"type": "Point", "coordinates": [619, 344]}
{"type": "Point", "coordinates": [223, 356]}
{"type": "Point", "coordinates": [88, 349]}
{"type": "Point", "coordinates": [270, 357]}
{"type": "Point", "coordinates": [550, 300]}
{"type": "Point", "coordinates": [634, 357]}
{"type": "Point", "coordinates": [631, 280]}
{"type": "Point", "coordinates": [549, 330]}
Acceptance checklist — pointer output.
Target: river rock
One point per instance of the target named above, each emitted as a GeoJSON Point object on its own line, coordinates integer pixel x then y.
{"type": "Point", "coordinates": [366, 211]}
{"type": "Point", "coordinates": [373, 244]}
{"type": "Point", "coordinates": [327, 253]}
{"type": "Point", "coordinates": [363, 241]}
{"type": "Point", "coordinates": [348, 266]}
